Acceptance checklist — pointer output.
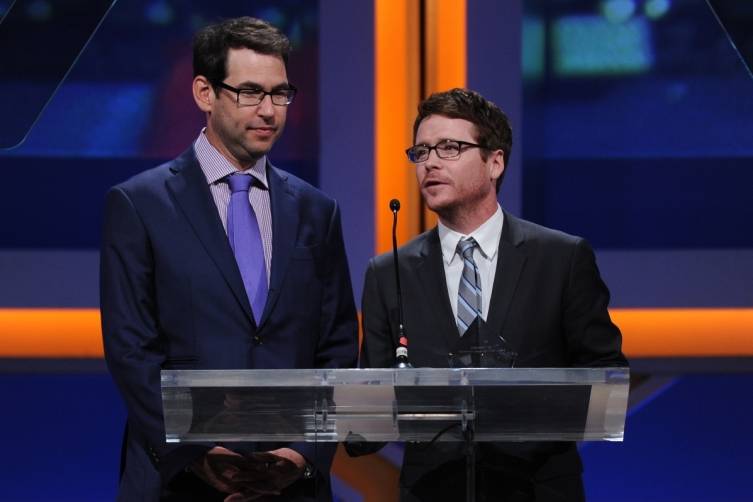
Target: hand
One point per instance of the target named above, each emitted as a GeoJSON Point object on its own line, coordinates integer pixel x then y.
{"type": "Point", "coordinates": [267, 473]}
{"type": "Point", "coordinates": [252, 477]}
{"type": "Point", "coordinates": [218, 468]}
{"type": "Point", "coordinates": [293, 456]}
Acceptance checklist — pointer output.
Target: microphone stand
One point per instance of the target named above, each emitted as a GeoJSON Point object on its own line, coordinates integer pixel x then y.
{"type": "Point", "coordinates": [401, 352]}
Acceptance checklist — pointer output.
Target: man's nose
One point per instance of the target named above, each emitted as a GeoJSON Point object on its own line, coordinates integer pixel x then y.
{"type": "Point", "coordinates": [266, 108]}
{"type": "Point", "coordinates": [432, 161]}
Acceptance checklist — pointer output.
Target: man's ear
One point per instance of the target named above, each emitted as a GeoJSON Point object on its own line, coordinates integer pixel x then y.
{"type": "Point", "coordinates": [203, 93]}
{"type": "Point", "coordinates": [496, 164]}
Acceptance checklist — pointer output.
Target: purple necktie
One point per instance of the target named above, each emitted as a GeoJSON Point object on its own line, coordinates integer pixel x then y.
{"type": "Point", "coordinates": [245, 239]}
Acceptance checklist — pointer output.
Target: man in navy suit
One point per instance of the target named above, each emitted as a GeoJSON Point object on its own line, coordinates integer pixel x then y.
{"type": "Point", "coordinates": [177, 293]}
{"type": "Point", "coordinates": [538, 288]}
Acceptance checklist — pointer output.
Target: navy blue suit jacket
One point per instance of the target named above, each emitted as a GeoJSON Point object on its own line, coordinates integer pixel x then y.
{"type": "Point", "coordinates": [172, 297]}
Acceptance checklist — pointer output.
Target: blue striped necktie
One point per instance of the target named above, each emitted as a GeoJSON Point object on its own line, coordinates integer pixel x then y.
{"type": "Point", "coordinates": [469, 289]}
{"type": "Point", "coordinates": [245, 239]}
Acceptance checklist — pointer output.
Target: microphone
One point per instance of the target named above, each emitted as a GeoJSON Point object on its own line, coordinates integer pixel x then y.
{"type": "Point", "coordinates": [401, 352]}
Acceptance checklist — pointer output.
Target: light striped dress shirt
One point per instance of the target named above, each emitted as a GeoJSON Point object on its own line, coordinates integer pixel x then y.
{"type": "Point", "coordinates": [216, 168]}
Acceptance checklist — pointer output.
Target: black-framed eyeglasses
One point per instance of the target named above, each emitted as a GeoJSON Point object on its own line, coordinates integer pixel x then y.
{"type": "Point", "coordinates": [446, 149]}
{"type": "Point", "coordinates": [254, 96]}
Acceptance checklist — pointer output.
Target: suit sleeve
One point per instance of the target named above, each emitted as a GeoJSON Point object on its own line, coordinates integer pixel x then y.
{"type": "Point", "coordinates": [377, 349]}
{"type": "Point", "coordinates": [337, 346]}
{"type": "Point", "coordinates": [592, 338]}
{"type": "Point", "coordinates": [134, 349]}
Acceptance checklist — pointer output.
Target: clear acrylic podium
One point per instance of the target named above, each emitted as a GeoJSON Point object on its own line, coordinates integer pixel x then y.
{"type": "Point", "coordinates": [423, 404]}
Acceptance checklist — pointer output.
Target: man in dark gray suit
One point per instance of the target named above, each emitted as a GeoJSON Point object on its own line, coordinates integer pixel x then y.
{"type": "Point", "coordinates": [538, 288]}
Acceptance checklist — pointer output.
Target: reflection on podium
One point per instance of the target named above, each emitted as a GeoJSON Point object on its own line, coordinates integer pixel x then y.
{"type": "Point", "coordinates": [502, 404]}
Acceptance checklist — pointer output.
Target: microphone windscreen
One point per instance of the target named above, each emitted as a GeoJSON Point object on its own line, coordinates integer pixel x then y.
{"type": "Point", "coordinates": [394, 205]}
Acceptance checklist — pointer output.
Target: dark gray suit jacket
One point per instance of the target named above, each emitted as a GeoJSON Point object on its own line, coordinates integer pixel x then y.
{"type": "Point", "coordinates": [548, 301]}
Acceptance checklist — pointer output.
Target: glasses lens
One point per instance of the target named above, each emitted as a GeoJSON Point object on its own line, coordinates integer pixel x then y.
{"type": "Point", "coordinates": [418, 153]}
{"type": "Point", "coordinates": [448, 149]}
{"type": "Point", "coordinates": [250, 97]}
{"type": "Point", "coordinates": [283, 98]}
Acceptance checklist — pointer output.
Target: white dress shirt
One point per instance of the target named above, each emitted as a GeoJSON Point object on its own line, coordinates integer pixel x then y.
{"type": "Point", "coordinates": [485, 255]}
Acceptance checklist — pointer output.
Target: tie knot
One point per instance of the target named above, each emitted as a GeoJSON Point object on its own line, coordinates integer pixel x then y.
{"type": "Point", "coordinates": [239, 182]}
{"type": "Point", "coordinates": [465, 247]}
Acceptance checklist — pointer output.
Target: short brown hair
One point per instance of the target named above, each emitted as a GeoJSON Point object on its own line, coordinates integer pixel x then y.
{"type": "Point", "coordinates": [211, 44]}
{"type": "Point", "coordinates": [493, 131]}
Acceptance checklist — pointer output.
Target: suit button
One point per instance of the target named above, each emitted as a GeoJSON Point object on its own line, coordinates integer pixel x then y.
{"type": "Point", "coordinates": [257, 340]}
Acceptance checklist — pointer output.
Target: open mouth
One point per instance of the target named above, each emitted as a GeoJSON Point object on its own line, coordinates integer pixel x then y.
{"type": "Point", "coordinates": [432, 183]}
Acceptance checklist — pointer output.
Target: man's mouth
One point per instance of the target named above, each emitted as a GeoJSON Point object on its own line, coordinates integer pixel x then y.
{"type": "Point", "coordinates": [264, 131]}
{"type": "Point", "coordinates": [432, 183]}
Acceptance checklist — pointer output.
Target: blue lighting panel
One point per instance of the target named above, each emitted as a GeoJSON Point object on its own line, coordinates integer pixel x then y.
{"type": "Point", "coordinates": [591, 45]}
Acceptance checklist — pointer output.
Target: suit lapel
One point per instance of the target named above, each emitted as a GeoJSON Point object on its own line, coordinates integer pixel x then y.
{"type": "Point", "coordinates": [284, 227]}
{"type": "Point", "coordinates": [190, 189]}
{"type": "Point", "coordinates": [430, 272]}
{"type": "Point", "coordinates": [510, 262]}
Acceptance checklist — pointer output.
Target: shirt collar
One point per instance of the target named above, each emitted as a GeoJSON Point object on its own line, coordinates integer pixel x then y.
{"type": "Point", "coordinates": [216, 167]}
{"type": "Point", "coordinates": [487, 236]}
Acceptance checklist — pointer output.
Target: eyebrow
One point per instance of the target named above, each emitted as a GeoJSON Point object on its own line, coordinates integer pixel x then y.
{"type": "Point", "coordinates": [441, 140]}
{"type": "Point", "coordinates": [254, 85]}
